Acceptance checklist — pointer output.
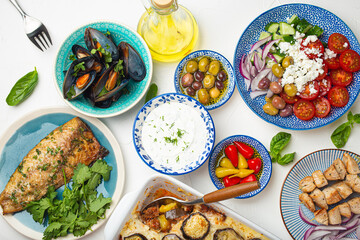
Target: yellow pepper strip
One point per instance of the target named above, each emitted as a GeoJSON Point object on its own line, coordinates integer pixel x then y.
{"type": "Point", "coordinates": [242, 173]}
{"type": "Point", "coordinates": [167, 207]}
{"type": "Point", "coordinates": [242, 161]}
{"type": "Point", "coordinates": [221, 172]}
{"type": "Point", "coordinates": [226, 163]}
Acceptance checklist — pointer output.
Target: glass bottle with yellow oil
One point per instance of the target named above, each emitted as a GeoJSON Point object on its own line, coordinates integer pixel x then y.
{"type": "Point", "coordinates": [169, 29]}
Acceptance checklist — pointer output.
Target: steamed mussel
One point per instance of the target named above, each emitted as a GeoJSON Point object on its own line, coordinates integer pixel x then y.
{"type": "Point", "coordinates": [102, 70]}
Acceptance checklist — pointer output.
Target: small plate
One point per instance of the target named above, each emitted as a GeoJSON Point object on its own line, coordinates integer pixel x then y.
{"type": "Point", "coordinates": [228, 91]}
{"type": "Point", "coordinates": [25, 133]}
{"type": "Point", "coordinates": [156, 102]}
{"type": "Point", "coordinates": [266, 169]}
{"type": "Point", "coordinates": [119, 32]}
{"type": "Point", "coordinates": [314, 15]}
{"type": "Point", "coordinates": [289, 198]}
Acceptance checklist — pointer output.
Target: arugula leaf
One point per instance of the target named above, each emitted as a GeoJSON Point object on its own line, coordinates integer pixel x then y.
{"type": "Point", "coordinates": [286, 159]}
{"type": "Point", "coordinates": [22, 88]}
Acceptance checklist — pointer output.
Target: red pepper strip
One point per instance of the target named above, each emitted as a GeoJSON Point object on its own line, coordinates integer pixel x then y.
{"type": "Point", "coordinates": [231, 181]}
{"type": "Point", "coordinates": [232, 154]}
{"type": "Point", "coordinates": [244, 149]}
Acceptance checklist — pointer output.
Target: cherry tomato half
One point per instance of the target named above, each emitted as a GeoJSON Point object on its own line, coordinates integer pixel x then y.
{"type": "Point", "coordinates": [244, 149]}
{"type": "Point", "coordinates": [341, 77]}
{"type": "Point", "coordinates": [231, 181]}
{"type": "Point", "coordinates": [323, 75]}
{"type": "Point", "coordinates": [313, 49]}
{"type": "Point", "coordinates": [255, 164]}
{"type": "Point", "coordinates": [338, 43]}
{"type": "Point", "coordinates": [311, 91]}
{"type": "Point", "coordinates": [332, 63]}
{"type": "Point", "coordinates": [325, 86]}
{"type": "Point", "coordinates": [232, 154]}
{"type": "Point", "coordinates": [250, 178]}
{"type": "Point", "coordinates": [338, 96]}
{"type": "Point", "coordinates": [288, 99]}
{"type": "Point", "coordinates": [304, 110]}
{"type": "Point", "coordinates": [350, 61]}
{"type": "Point", "coordinates": [322, 107]}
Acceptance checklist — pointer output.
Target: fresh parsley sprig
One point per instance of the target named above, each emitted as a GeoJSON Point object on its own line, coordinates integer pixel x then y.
{"type": "Point", "coordinates": [341, 134]}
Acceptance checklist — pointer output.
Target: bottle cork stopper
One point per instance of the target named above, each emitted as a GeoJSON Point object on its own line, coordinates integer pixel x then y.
{"type": "Point", "coordinates": [162, 3]}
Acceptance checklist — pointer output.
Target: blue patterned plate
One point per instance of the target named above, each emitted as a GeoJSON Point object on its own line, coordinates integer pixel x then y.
{"type": "Point", "coordinates": [315, 15]}
{"type": "Point", "coordinates": [165, 99]}
{"type": "Point", "coordinates": [25, 133]}
{"type": "Point", "coordinates": [137, 89]}
{"type": "Point", "coordinates": [229, 87]}
{"type": "Point", "coordinates": [289, 198]}
{"type": "Point", "coordinates": [264, 174]}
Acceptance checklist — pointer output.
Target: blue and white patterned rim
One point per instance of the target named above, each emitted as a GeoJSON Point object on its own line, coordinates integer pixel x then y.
{"type": "Point", "coordinates": [227, 66]}
{"type": "Point", "coordinates": [289, 198]}
{"type": "Point", "coordinates": [156, 102]}
{"type": "Point", "coordinates": [265, 157]}
{"type": "Point", "coordinates": [315, 15]}
{"type": "Point", "coordinates": [119, 32]}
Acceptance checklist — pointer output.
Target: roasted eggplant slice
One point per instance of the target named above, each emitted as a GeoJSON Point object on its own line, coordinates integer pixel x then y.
{"type": "Point", "coordinates": [135, 236]}
{"type": "Point", "coordinates": [227, 234]}
{"type": "Point", "coordinates": [171, 237]}
{"type": "Point", "coordinates": [195, 227]}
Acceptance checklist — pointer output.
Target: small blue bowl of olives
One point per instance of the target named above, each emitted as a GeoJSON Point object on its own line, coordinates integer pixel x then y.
{"type": "Point", "coordinates": [206, 76]}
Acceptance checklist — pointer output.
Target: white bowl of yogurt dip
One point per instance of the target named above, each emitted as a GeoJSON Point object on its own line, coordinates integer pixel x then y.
{"type": "Point", "coordinates": [173, 134]}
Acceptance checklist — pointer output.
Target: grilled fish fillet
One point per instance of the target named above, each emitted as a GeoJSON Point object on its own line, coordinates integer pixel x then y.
{"type": "Point", "coordinates": [61, 151]}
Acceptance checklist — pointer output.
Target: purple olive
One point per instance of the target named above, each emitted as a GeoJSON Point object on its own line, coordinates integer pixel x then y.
{"type": "Point", "coordinates": [221, 76]}
{"type": "Point", "coordinates": [187, 80]}
{"type": "Point", "coordinates": [264, 83]}
{"type": "Point", "coordinates": [287, 111]}
{"type": "Point", "coordinates": [190, 91]}
{"type": "Point", "coordinates": [197, 85]}
{"type": "Point", "coordinates": [219, 85]}
{"type": "Point", "coordinates": [199, 76]}
{"type": "Point", "coordinates": [278, 102]}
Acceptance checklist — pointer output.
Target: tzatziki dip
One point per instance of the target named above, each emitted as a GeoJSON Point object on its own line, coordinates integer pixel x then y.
{"type": "Point", "coordinates": [174, 134]}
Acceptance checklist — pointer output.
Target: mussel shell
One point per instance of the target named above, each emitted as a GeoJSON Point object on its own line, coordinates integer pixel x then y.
{"type": "Point", "coordinates": [105, 42]}
{"type": "Point", "coordinates": [133, 63]}
{"type": "Point", "coordinates": [80, 52]}
{"type": "Point", "coordinates": [100, 84]}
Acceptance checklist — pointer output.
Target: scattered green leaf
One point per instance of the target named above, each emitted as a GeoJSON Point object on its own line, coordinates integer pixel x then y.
{"type": "Point", "coordinates": [286, 159]}
{"type": "Point", "coordinates": [277, 144]}
{"type": "Point", "coordinates": [341, 134]}
{"type": "Point", "coordinates": [152, 92]}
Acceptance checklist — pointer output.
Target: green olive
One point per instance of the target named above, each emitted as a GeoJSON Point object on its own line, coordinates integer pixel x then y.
{"type": "Point", "coordinates": [287, 61]}
{"type": "Point", "coordinates": [214, 92]}
{"type": "Point", "coordinates": [270, 109]}
{"type": "Point", "coordinates": [214, 67]}
{"type": "Point", "coordinates": [209, 81]}
{"type": "Point", "coordinates": [203, 96]}
{"type": "Point", "coordinates": [191, 66]}
{"type": "Point", "coordinates": [204, 64]}
{"type": "Point", "coordinates": [277, 70]}
{"type": "Point", "coordinates": [269, 99]}
{"type": "Point", "coordinates": [290, 89]}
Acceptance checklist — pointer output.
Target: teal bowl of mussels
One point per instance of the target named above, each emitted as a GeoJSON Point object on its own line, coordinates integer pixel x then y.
{"type": "Point", "coordinates": [103, 69]}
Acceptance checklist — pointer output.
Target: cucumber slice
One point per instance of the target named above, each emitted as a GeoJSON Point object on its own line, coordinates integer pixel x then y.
{"type": "Point", "coordinates": [315, 30]}
{"type": "Point", "coordinates": [303, 26]}
{"type": "Point", "coordinates": [272, 27]}
{"type": "Point", "coordinates": [286, 29]}
{"type": "Point", "coordinates": [289, 38]}
{"type": "Point", "coordinates": [294, 20]}
{"type": "Point", "coordinates": [278, 57]}
{"type": "Point", "coordinates": [276, 36]}
{"type": "Point", "coordinates": [264, 35]}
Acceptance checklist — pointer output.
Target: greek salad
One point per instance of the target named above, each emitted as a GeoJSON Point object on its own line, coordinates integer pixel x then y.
{"type": "Point", "coordinates": [298, 73]}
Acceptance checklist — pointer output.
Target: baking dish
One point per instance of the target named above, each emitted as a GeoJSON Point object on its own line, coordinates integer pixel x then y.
{"type": "Point", "coordinates": [141, 197]}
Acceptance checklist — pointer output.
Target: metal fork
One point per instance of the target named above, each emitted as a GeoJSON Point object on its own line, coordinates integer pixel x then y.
{"type": "Point", "coordinates": [34, 29]}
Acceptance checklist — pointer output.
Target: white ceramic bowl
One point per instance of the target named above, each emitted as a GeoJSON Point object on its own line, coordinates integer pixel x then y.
{"type": "Point", "coordinates": [141, 197]}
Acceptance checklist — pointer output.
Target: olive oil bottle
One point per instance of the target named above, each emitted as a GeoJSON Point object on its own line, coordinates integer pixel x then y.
{"type": "Point", "coordinates": [169, 30]}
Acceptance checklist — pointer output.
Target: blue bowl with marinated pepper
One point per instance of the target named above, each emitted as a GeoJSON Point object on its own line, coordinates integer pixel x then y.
{"type": "Point", "coordinates": [238, 159]}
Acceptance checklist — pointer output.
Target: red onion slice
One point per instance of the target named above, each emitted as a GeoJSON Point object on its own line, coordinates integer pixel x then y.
{"type": "Point", "coordinates": [330, 228]}
{"type": "Point", "coordinates": [304, 218]}
{"type": "Point", "coordinates": [358, 232]}
{"type": "Point", "coordinates": [315, 235]}
{"type": "Point", "coordinates": [242, 68]}
{"type": "Point", "coordinates": [255, 94]}
{"type": "Point", "coordinates": [255, 81]}
{"type": "Point", "coordinates": [257, 62]}
{"type": "Point", "coordinates": [267, 48]}
{"type": "Point", "coordinates": [258, 44]}
{"type": "Point", "coordinates": [272, 57]}
{"type": "Point", "coordinates": [253, 71]}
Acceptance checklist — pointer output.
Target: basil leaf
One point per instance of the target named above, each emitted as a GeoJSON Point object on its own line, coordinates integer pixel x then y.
{"type": "Point", "coordinates": [357, 118]}
{"type": "Point", "coordinates": [152, 92]}
{"type": "Point", "coordinates": [286, 159]}
{"type": "Point", "coordinates": [341, 134]}
{"type": "Point", "coordinates": [22, 88]}
{"type": "Point", "coordinates": [278, 142]}
{"type": "Point", "coordinates": [350, 117]}
{"type": "Point", "coordinates": [274, 157]}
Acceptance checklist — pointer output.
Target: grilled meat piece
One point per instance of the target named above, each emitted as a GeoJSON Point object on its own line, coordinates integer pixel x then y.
{"type": "Point", "coordinates": [343, 189]}
{"type": "Point", "coordinates": [322, 216]}
{"type": "Point", "coordinates": [331, 173]}
{"type": "Point", "coordinates": [331, 195]}
{"type": "Point", "coordinates": [334, 216]}
{"type": "Point", "coordinates": [345, 209]}
{"type": "Point", "coordinates": [63, 149]}
{"type": "Point", "coordinates": [307, 184]}
{"type": "Point", "coordinates": [355, 205]}
{"type": "Point", "coordinates": [340, 168]}
{"type": "Point", "coordinates": [319, 198]}
{"type": "Point", "coordinates": [353, 181]}
{"type": "Point", "coordinates": [351, 165]}
{"type": "Point", "coordinates": [319, 179]}
{"type": "Point", "coordinates": [307, 201]}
